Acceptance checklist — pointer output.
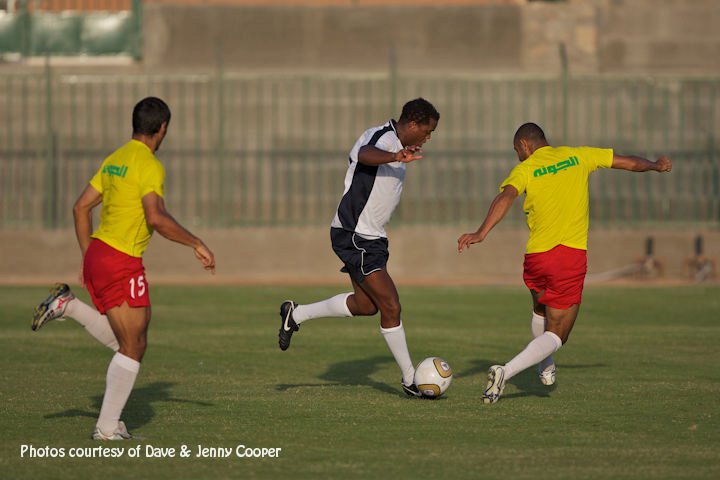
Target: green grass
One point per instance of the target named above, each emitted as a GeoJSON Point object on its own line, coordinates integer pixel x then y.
{"type": "Point", "coordinates": [636, 397]}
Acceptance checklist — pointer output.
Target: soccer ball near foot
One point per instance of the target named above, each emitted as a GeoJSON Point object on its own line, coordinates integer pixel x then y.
{"type": "Point", "coordinates": [433, 377]}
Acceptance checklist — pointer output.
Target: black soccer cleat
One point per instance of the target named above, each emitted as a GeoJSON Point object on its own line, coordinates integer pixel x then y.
{"type": "Point", "coordinates": [410, 390]}
{"type": "Point", "coordinates": [287, 324]}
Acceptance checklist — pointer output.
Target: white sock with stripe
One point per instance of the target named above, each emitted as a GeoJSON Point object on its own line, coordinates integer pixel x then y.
{"type": "Point", "coordinates": [537, 325]}
{"type": "Point", "coordinates": [332, 307]}
{"type": "Point", "coordinates": [96, 324]}
{"type": "Point", "coordinates": [538, 349]}
{"type": "Point", "coordinates": [395, 339]}
{"type": "Point", "coordinates": [121, 376]}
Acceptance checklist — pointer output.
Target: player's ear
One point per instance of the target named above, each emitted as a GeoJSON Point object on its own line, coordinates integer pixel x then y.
{"type": "Point", "coordinates": [162, 131]}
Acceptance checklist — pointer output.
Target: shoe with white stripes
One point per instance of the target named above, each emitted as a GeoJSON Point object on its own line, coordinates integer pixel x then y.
{"type": "Point", "coordinates": [287, 324]}
{"type": "Point", "coordinates": [547, 376]}
{"type": "Point", "coordinates": [53, 307]}
{"type": "Point", "coordinates": [410, 390]}
{"type": "Point", "coordinates": [495, 385]}
{"type": "Point", "coordinates": [120, 433]}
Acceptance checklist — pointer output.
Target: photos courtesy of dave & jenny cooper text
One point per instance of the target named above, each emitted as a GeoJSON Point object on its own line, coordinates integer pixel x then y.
{"type": "Point", "coordinates": [150, 451]}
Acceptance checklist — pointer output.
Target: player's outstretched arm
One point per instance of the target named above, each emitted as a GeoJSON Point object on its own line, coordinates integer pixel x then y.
{"type": "Point", "coordinates": [639, 164]}
{"type": "Point", "coordinates": [371, 155]}
{"type": "Point", "coordinates": [498, 209]}
{"type": "Point", "coordinates": [162, 222]}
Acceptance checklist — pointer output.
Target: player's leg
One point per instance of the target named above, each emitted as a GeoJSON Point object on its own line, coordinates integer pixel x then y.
{"type": "Point", "coordinates": [292, 315]}
{"type": "Point", "coordinates": [560, 321]}
{"type": "Point", "coordinates": [342, 305]}
{"type": "Point", "coordinates": [62, 303]}
{"type": "Point", "coordinates": [360, 303]}
{"type": "Point", "coordinates": [352, 253]}
{"type": "Point", "coordinates": [380, 288]}
{"type": "Point", "coordinates": [557, 277]}
{"type": "Point", "coordinates": [546, 368]}
{"type": "Point", "coordinates": [336, 306]}
{"type": "Point", "coordinates": [538, 349]}
{"type": "Point", "coordinates": [130, 326]}
{"type": "Point", "coordinates": [95, 324]}
{"type": "Point", "coordinates": [381, 291]}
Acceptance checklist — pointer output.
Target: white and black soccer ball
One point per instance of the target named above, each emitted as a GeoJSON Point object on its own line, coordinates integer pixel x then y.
{"type": "Point", "coordinates": [433, 377]}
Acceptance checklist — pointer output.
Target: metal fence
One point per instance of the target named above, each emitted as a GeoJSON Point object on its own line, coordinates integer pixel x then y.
{"type": "Point", "coordinates": [272, 149]}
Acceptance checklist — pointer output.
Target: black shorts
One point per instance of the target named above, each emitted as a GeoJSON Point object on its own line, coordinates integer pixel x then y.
{"type": "Point", "coordinates": [360, 255]}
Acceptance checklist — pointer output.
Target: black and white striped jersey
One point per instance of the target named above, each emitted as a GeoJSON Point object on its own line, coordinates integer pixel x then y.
{"type": "Point", "coordinates": [371, 192]}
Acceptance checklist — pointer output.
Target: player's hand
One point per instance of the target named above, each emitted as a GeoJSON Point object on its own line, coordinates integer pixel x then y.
{"type": "Point", "coordinates": [664, 164]}
{"type": "Point", "coordinates": [206, 257]}
{"type": "Point", "coordinates": [467, 239]}
{"type": "Point", "coordinates": [81, 277]}
{"type": "Point", "coordinates": [408, 154]}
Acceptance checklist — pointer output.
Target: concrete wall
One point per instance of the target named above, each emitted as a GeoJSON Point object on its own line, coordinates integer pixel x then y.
{"type": "Point", "coordinates": [618, 36]}
{"type": "Point", "coordinates": [418, 255]}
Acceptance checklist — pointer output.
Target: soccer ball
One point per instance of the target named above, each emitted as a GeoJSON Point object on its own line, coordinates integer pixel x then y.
{"type": "Point", "coordinates": [433, 377]}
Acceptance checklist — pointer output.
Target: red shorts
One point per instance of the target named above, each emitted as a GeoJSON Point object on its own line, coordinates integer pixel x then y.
{"type": "Point", "coordinates": [560, 272]}
{"type": "Point", "coordinates": [113, 277]}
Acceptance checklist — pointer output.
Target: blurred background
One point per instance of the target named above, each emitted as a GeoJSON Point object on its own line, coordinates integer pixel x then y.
{"type": "Point", "coordinates": [269, 96]}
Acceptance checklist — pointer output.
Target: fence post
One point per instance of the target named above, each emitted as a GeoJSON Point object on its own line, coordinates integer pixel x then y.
{"type": "Point", "coordinates": [137, 38]}
{"type": "Point", "coordinates": [564, 84]}
{"type": "Point", "coordinates": [220, 147]}
{"type": "Point", "coordinates": [25, 26]}
{"type": "Point", "coordinates": [51, 167]}
{"type": "Point", "coordinates": [392, 65]}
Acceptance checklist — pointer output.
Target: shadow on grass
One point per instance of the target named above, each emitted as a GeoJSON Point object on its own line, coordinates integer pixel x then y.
{"type": "Point", "coordinates": [351, 373]}
{"type": "Point", "coordinates": [526, 382]}
{"type": "Point", "coordinates": [139, 408]}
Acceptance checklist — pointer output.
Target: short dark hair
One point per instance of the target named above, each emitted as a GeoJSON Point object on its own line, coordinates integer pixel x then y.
{"type": "Point", "coordinates": [148, 115]}
{"type": "Point", "coordinates": [530, 132]}
{"type": "Point", "coordinates": [419, 111]}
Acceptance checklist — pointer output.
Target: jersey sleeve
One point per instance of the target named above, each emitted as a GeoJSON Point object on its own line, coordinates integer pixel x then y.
{"type": "Point", "coordinates": [596, 157]}
{"type": "Point", "coordinates": [153, 179]}
{"type": "Point", "coordinates": [96, 180]}
{"type": "Point", "coordinates": [518, 178]}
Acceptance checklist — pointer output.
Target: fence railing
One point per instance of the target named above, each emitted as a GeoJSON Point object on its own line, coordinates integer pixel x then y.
{"type": "Point", "coordinates": [272, 149]}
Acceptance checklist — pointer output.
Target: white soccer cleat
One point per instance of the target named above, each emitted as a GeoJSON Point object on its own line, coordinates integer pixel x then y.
{"type": "Point", "coordinates": [547, 376]}
{"type": "Point", "coordinates": [120, 433]}
{"type": "Point", "coordinates": [53, 307]}
{"type": "Point", "coordinates": [495, 385]}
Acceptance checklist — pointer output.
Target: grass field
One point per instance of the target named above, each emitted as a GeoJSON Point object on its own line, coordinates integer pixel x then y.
{"type": "Point", "coordinates": [636, 397]}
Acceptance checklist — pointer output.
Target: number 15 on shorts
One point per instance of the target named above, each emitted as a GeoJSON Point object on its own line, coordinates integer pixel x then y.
{"type": "Point", "coordinates": [138, 287]}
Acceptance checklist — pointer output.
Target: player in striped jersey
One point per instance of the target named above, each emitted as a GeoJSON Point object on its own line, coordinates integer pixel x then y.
{"type": "Point", "coordinates": [373, 185]}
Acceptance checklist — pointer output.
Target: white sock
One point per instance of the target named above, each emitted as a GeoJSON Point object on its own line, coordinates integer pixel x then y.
{"type": "Point", "coordinates": [395, 338]}
{"type": "Point", "coordinates": [537, 325]}
{"type": "Point", "coordinates": [96, 324]}
{"type": "Point", "coordinates": [332, 307]}
{"type": "Point", "coordinates": [121, 376]}
{"type": "Point", "coordinates": [538, 349]}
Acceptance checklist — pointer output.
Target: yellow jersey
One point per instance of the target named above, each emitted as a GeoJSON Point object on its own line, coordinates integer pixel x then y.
{"type": "Point", "coordinates": [555, 181]}
{"type": "Point", "coordinates": [127, 175]}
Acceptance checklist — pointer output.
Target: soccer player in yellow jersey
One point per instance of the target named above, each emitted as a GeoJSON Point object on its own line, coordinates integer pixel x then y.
{"type": "Point", "coordinates": [555, 183]}
{"type": "Point", "coordinates": [130, 187]}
